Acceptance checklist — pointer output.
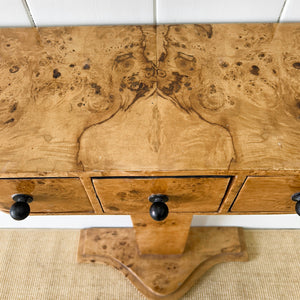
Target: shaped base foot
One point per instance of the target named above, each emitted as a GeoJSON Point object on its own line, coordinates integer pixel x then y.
{"type": "Point", "coordinates": [162, 276]}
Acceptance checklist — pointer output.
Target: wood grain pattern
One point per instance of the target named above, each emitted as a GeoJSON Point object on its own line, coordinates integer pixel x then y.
{"type": "Point", "coordinates": [89, 189]}
{"type": "Point", "coordinates": [69, 81]}
{"type": "Point", "coordinates": [167, 237]}
{"type": "Point", "coordinates": [267, 194]}
{"type": "Point", "coordinates": [201, 99]}
{"type": "Point", "coordinates": [50, 195]}
{"type": "Point", "coordinates": [234, 187]}
{"type": "Point", "coordinates": [226, 94]}
{"type": "Point", "coordinates": [186, 194]}
{"type": "Point", "coordinates": [162, 277]}
{"type": "Point", "coordinates": [170, 99]}
{"type": "Point", "coordinates": [229, 87]}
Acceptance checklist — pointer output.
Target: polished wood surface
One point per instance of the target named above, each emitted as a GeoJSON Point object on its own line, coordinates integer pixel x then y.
{"type": "Point", "coordinates": [50, 195]}
{"type": "Point", "coordinates": [186, 194]}
{"type": "Point", "coordinates": [219, 101]}
{"type": "Point", "coordinates": [166, 100]}
{"type": "Point", "coordinates": [162, 277]}
{"type": "Point", "coordinates": [267, 194]}
{"type": "Point", "coordinates": [167, 237]}
{"type": "Point", "coordinates": [167, 97]}
{"type": "Point", "coordinates": [90, 191]}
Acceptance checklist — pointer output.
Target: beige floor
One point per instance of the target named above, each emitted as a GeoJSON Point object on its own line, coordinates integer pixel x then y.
{"type": "Point", "coordinates": [41, 264]}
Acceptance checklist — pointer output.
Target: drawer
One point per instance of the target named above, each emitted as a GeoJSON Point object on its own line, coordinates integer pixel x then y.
{"type": "Point", "coordinates": [186, 194]}
{"type": "Point", "coordinates": [50, 195]}
{"type": "Point", "coordinates": [267, 194]}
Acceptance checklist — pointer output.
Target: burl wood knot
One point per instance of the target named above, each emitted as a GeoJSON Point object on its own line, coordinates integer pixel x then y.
{"type": "Point", "coordinates": [162, 276]}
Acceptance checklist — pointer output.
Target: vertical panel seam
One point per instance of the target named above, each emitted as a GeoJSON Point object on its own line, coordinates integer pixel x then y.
{"type": "Point", "coordinates": [155, 12]}
{"type": "Point", "coordinates": [28, 12]}
{"type": "Point", "coordinates": [282, 10]}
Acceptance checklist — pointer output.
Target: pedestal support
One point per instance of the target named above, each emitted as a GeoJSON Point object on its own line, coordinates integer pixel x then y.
{"type": "Point", "coordinates": [165, 237]}
{"type": "Point", "coordinates": [162, 276]}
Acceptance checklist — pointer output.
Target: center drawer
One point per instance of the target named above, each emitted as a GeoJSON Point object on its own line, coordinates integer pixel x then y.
{"type": "Point", "coordinates": [129, 195]}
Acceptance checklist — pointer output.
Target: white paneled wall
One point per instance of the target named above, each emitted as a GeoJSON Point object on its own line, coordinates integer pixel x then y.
{"type": "Point", "coordinates": [90, 12]}
{"type": "Point", "coordinates": [291, 11]}
{"type": "Point", "coordinates": [103, 12]}
{"type": "Point", "coordinates": [13, 13]}
{"type": "Point", "coordinates": [68, 222]}
{"type": "Point", "coordinates": [218, 11]}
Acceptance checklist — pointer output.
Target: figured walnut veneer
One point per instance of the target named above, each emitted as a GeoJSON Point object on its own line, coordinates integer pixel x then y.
{"type": "Point", "coordinates": [272, 190]}
{"type": "Point", "coordinates": [162, 277]}
{"type": "Point", "coordinates": [167, 100]}
{"type": "Point", "coordinates": [104, 116]}
{"type": "Point", "coordinates": [186, 194]}
{"type": "Point", "coordinates": [51, 195]}
{"type": "Point", "coordinates": [177, 97]}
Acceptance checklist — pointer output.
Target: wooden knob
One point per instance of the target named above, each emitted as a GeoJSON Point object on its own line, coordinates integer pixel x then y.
{"type": "Point", "coordinates": [158, 210]}
{"type": "Point", "coordinates": [21, 209]}
{"type": "Point", "coordinates": [296, 197]}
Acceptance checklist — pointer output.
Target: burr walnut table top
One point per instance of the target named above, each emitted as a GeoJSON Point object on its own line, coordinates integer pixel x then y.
{"type": "Point", "coordinates": [208, 114]}
{"type": "Point", "coordinates": [94, 120]}
{"type": "Point", "coordinates": [150, 98]}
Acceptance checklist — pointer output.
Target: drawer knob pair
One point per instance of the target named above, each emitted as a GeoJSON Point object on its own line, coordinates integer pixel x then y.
{"type": "Point", "coordinates": [20, 209]}
{"type": "Point", "coordinates": [296, 197]}
{"type": "Point", "coordinates": [159, 209]}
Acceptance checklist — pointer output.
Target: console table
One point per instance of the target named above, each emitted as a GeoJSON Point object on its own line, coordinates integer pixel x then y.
{"type": "Point", "coordinates": [157, 122]}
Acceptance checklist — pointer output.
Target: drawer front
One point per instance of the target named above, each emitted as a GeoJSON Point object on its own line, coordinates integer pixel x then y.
{"type": "Point", "coordinates": [267, 194]}
{"type": "Point", "coordinates": [186, 194]}
{"type": "Point", "coordinates": [50, 195]}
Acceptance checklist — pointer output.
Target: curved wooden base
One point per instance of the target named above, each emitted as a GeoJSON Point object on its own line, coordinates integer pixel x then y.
{"type": "Point", "coordinates": [162, 276]}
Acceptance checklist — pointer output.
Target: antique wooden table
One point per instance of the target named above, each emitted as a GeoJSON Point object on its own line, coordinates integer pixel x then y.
{"type": "Point", "coordinates": [199, 119]}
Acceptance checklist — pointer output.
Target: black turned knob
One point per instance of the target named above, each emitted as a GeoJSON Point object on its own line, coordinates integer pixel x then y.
{"type": "Point", "coordinates": [21, 209]}
{"type": "Point", "coordinates": [159, 210]}
{"type": "Point", "coordinates": [296, 197]}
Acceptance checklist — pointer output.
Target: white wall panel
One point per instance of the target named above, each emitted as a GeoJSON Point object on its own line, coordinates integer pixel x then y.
{"type": "Point", "coordinates": [78, 222]}
{"type": "Point", "coordinates": [291, 12]}
{"type": "Point", "coordinates": [91, 12]}
{"type": "Point", "coordinates": [218, 11]}
{"type": "Point", "coordinates": [68, 222]}
{"type": "Point", "coordinates": [13, 14]}
{"type": "Point", "coordinates": [250, 221]}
